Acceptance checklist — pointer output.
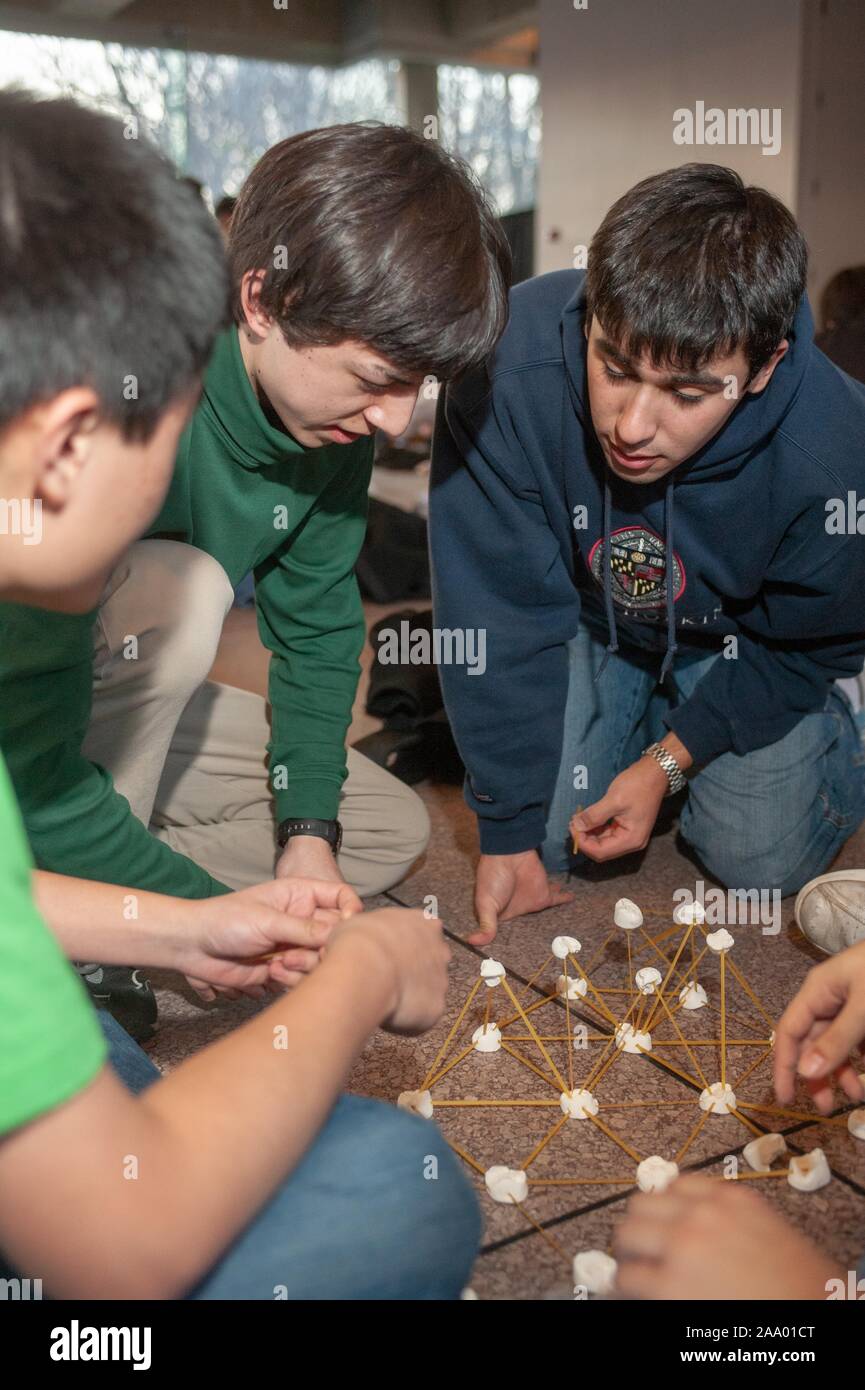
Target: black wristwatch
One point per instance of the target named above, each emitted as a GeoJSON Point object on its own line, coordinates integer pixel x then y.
{"type": "Point", "coordinates": [329, 830]}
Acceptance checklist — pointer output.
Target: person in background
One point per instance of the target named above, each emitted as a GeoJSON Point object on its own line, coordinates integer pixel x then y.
{"type": "Point", "coordinates": [342, 302]}
{"type": "Point", "coordinates": [632, 500]}
{"type": "Point", "coordinates": [842, 334]}
{"type": "Point", "coordinates": [223, 212]}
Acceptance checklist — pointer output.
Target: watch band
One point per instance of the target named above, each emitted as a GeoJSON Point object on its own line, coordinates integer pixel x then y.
{"type": "Point", "coordinates": [665, 759]}
{"type": "Point", "coordinates": [330, 830]}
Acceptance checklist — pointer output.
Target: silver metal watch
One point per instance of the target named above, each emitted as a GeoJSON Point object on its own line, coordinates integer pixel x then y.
{"type": "Point", "coordinates": [665, 759]}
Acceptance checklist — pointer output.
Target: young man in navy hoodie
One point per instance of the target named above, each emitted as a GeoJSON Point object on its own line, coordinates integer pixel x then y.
{"type": "Point", "coordinates": [638, 498]}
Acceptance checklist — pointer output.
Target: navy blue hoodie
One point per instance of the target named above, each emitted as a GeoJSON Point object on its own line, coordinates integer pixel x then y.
{"type": "Point", "coordinates": [742, 525]}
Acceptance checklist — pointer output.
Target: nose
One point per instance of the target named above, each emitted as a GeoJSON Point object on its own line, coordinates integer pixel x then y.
{"type": "Point", "coordinates": [635, 423]}
{"type": "Point", "coordinates": [391, 413]}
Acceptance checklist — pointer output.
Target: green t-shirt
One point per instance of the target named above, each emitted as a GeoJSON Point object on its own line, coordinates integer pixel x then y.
{"type": "Point", "coordinates": [51, 1044]}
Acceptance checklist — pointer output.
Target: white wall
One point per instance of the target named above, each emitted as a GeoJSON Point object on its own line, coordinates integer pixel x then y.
{"type": "Point", "coordinates": [831, 203]}
{"type": "Point", "coordinates": [613, 74]}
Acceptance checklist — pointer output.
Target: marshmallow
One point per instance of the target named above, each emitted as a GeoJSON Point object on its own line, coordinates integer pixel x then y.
{"type": "Point", "coordinates": [655, 1174]}
{"type": "Point", "coordinates": [809, 1172]}
{"type": "Point", "coordinates": [647, 978]}
{"type": "Point", "coordinates": [419, 1102]}
{"type": "Point", "coordinates": [565, 946]}
{"type": "Point", "coordinates": [856, 1123]}
{"type": "Point", "coordinates": [492, 971]}
{"type": "Point", "coordinates": [578, 1104]}
{"type": "Point", "coordinates": [718, 1099]}
{"type": "Point", "coordinates": [629, 1040]}
{"type": "Point", "coordinates": [719, 940]}
{"type": "Point", "coordinates": [487, 1039]}
{"type": "Point", "coordinates": [688, 914]}
{"type": "Point", "coordinates": [693, 996]}
{"type": "Point", "coordinates": [761, 1153]}
{"type": "Point", "coordinates": [595, 1271]}
{"type": "Point", "coordinates": [574, 984]}
{"type": "Point", "coordinates": [627, 915]}
{"type": "Point", "coordinates": [506, 1184]}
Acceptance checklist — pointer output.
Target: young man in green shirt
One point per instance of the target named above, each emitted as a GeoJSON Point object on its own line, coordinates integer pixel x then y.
{"type": "Point", "coordinates": [347, 291]}
{"type": "Point", "coordinates": [243, 1174]}
{"type": "Point", "coordinates": [363, 258]}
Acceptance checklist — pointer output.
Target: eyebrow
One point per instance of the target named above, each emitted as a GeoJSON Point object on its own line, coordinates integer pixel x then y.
{"type": "Point", "coordinates": [381, 376]}
{"type": "Point", "coordinates": [688, 378]}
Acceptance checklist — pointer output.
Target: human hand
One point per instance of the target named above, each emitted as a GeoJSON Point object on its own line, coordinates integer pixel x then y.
{"type": "Point", "coordinates": [309, 856]}
{"type": "Point", "coordinates": [624, 818]}
{"type": "Point", "coordinates": [821, 1026]}
{"type": "Point", "coordinates": [511, 885]}
{"type": "Point", "coordinates": [707, 1238]}
{"type": "Point", "coordinates": [232, 933]}
{"type": "Point", "coordinates": [408, 948]}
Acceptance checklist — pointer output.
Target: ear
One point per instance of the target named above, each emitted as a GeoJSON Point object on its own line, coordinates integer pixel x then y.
{"type": "Point", "coordinates": [258, 321]}
{"type": "Point", "coordinates": [764, 376]}
{"type": "Point", "coordinates": [61, 432]}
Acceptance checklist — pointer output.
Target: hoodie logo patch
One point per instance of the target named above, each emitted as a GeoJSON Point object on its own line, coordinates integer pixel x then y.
{"type": "Point", "coordinates": [639, 568]}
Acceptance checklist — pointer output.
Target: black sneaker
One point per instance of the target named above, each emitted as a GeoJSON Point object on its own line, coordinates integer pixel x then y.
{"type": "Point", "coordinates": [125, 993]}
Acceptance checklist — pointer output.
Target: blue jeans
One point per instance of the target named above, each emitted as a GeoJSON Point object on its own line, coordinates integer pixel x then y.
{"type": "Point", "coordinates": [773, 818]}
{"type": "Point", "coordinates": [378, 1208]}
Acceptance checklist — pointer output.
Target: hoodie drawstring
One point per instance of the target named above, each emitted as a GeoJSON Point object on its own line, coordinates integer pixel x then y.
{"type": "Point", "coordinates": [668, 583]}
{"type": "Point", "coordinates": [609, 606]}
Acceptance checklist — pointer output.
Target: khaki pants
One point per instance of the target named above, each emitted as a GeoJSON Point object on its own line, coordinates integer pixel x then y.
{"type": "Point", "coordinates": [189, 754]}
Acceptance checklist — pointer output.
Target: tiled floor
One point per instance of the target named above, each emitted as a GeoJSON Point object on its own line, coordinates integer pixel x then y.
{"type": "Point", "coordinates": [518, 1261]}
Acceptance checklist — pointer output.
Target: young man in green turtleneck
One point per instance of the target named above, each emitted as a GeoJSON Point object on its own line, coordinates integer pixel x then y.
{"type": "Point", "coordinates": [363, 259]}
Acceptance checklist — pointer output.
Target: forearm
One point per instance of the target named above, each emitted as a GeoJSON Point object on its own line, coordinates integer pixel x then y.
{"type": "Point", "coordinates": [112, 924]}
{"type": "Point", "coordinates": [210, 1144]}
{"type": "Point", "coordinates": [674, 745]}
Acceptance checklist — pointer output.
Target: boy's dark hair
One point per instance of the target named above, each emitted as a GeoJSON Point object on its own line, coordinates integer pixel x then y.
{"type": "Point", "coordinates": [370, 232]}
{"type": "Point", "coordinates": [226, 205]}
{"type": "Point", "coordinates": [112, 272]}
{"type": "Point", "coordinates": [690, 264]}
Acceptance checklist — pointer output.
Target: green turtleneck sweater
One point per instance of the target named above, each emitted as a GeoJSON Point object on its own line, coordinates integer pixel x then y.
{"type": "Point", "coordinates": [254, 499]}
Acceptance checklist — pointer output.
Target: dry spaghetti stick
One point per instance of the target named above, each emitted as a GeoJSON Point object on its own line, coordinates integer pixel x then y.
{"type": "Point", "coordinates": [673, 964]}
{"type": "Point", "coordinates": [434, 1080]}
{"type": "Point", "coordinates": [668, 1066]}
{"type": "Point", "coordinates": [544, 1104]}
{"type": "Point", "coordinates": [693, 1056]}
{"type": "Point", "coordinates": [632, 1153]}
{"type": "Point", "coordinates": [749, 1124]}
{"type": "Point", "coordinates": [597, 1077]}
{"type": "Point", "coordinates": [527, 1021]}
{"type": "Point", "coordinates": [580, 1182]}
{"type": "Point", "coordinates": [723, 1022]}
{"type": "Point", "coordinates": [527, 986]}
{"type": "Point", "coordinates": [451, 1035]}
{"type": "Point", "coordinates": [543, 1144]}
{"type": "Point", "coordinates": [467, 1158]}
{"type": "Point", "coordinates": [576, 837]}
{"type": "Point", "coordinates": [547, 1237]}
{"type": "Point", "coordinates": [753, 1177]}
{"type": "Point", "coordinates": [752, 996]}
{"type": "Point", "coordinates": [531, 1066]}
{"type": "Point", "coordinates": [691, 1137]}
{"type": "Point", "coordinates": [793, 1114]}
{"type": "Point", "coordinates": [752, 1068]}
